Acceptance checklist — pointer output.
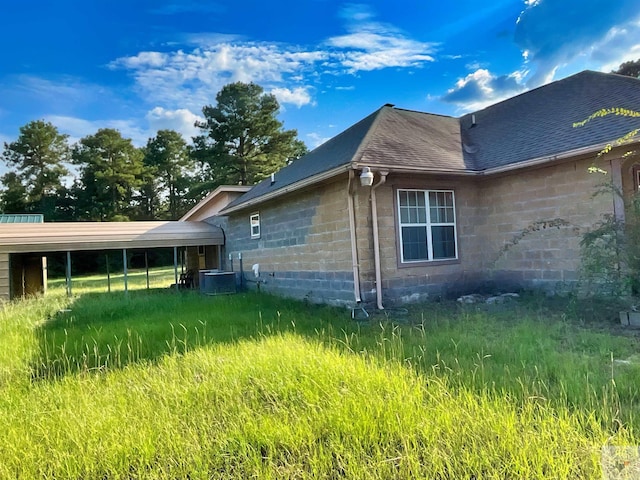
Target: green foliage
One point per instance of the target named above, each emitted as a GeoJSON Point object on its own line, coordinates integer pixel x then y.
{"type": "Point", "coordinates": [13, 198]}
{"type": "Point", "coordinates": [110, 173]}
{"type": "Point", "coordinates": [611, 249]}
{"type": "Point", "coordinates": [243, 141]}
{"type": "Point", "coordinates": [167, 164]}
{"type": "Point", "coordinates": [621, 112]}
{"type": "Point", "coordinates": [629, 69]}
{"type": "Point", "coordinates": [532, 228]}
{"type": "Point", "coordinates": [255, 386]}
{"type": "Point", "coordinates": [38, 157]}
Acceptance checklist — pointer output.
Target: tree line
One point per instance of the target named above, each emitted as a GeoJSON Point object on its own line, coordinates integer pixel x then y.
{"type": "Point", "coordinates": [241, 142]}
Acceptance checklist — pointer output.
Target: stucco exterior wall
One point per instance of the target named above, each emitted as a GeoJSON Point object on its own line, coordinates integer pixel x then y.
{"type": "Point", "coordinates": [304, 249]}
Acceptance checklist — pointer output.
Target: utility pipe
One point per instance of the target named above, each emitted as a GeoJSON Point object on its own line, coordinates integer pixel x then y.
{"type": "Point", "coordinates": [146, 267]}
{"type": "Point", "coordinates": [616, 179]}
{"type": "Point", "coordinates": [106, 257]}
{"type": "Point", "coordinates": [175, 266]}
{"type": "Point", "coordinates": [376, 241]}
{"type": "Point", "coordinates": [352, 231]}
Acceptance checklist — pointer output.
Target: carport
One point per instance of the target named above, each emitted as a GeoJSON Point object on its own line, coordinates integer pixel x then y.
{"type": "Point", "coordinates": [28, 240]}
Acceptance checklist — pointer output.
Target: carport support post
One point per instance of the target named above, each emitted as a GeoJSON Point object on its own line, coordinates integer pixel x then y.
{"type": "Point", "coordinates": [68, 274]}
{"type": "Point", "coordinates": [146, 266]}
{"type": "Point", "coordinates": [108, 273]}
{"type": "Point", "coordinates": [175, 266]}
{"type": "Point", "coordinates": [124, 262]}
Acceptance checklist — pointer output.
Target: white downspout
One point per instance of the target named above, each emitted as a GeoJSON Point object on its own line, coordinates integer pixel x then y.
{"type": "Point", "coordinates": [376, 241]}
{"type": "Point", "coordinates": [352, 231]}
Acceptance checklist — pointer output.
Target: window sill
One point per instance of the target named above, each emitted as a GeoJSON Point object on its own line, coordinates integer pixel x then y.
{"type": "Point", "coordinates": [429, 263]}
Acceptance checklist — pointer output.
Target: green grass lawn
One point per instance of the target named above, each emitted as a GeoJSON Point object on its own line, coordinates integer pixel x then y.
{"type": "Point", "coordinates": [165, 384]}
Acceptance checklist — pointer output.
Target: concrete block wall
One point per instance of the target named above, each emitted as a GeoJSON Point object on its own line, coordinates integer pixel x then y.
{"type": "Point", "coordinates": [402, 283]}
{"type": "Point", "coordinates": [530, 225]}
{"type": "Point", "coordinates": [515, 230]}
{"type": "Point", "coordinates": [520, 230]}
{"type": "Point", "coordinates": [304, 249]}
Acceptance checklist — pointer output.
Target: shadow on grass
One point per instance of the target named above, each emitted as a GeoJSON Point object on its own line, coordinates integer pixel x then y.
{"type": "Point", "coordinates": [102, 331]}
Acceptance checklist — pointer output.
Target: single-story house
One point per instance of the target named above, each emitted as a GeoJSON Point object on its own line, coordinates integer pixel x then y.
{"type": "Point", "coordinates": [407, 206]}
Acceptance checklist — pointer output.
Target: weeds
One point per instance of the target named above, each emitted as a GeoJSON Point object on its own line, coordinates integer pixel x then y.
{"type": "Point", "coordinates": [175, 385]}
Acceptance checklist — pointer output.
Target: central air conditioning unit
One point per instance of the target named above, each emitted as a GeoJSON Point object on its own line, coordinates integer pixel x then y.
{"type": "Point", "coordinates": [216, 282]}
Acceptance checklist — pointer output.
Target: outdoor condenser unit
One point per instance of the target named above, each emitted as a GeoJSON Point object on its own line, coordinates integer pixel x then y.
{"type": "Point", "coordinates": [215, 282]}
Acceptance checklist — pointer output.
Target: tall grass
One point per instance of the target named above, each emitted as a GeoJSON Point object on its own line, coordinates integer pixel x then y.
{"type": "Point", "coordinates": [286, 407]}
{"type": "Point", "coordinates": [165, 384]}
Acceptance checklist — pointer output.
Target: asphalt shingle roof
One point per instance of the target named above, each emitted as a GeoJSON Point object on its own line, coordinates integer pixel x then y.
{"type": "Point", "coordinates": [335, 152]}
{"type": "Point", "coordinates": [404, 138]}
{"type": "Point", "coordinates": [539, 122]}
{"type": "Point", "coordinates": [533, 125]}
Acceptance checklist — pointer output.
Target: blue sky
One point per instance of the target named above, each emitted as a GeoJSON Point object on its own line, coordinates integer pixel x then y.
{"type": "Point", "coordinates": [140, 66]}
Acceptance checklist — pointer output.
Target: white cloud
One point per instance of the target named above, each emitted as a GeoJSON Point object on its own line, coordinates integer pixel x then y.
{"type": "Point", "coordinates": [65, 91]}
{"type": "Point", "coordinates": [181, 120]}
{"type": "Point", "coordinates": [315, 140]}
{"type": "Point", "coordinates": [371, 45]}
{"type": "Point", "coordinates": [78, 128]}
{"type": "Point", "coordinates": [299, 96]}
{"type": "Point", "coordinates": [556, 37]}
{"type": "Point", "coordinates": [482, 88]}
{"type": "Point", "coordinates": [620, 44]}
{"type": "Point", "coordinates": [206, 39]}
{"type": "Point", "coordinates": [559, 35]}
{"type": "Point", "coordinates": [191, 78]}
{"type": "Point", "coordinates": [142, 60]}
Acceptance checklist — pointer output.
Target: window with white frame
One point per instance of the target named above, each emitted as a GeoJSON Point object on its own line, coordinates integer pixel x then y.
{"type": "Point", "coordinates": [254, 220]}
{"type": "Point", "coordinates": [427, 225]}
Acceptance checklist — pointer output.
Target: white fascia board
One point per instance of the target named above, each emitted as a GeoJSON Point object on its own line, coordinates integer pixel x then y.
{"type": "Point", "coordinates": [289, 188]}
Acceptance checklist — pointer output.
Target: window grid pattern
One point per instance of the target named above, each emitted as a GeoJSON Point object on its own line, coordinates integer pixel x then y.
{"type": "Point", "coordinates": [254, 221]}
{"type": "Point", "coordinates": [427, 225]}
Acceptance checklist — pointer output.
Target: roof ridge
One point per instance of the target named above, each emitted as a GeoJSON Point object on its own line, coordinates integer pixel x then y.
{"type": "Point", "coordinates": [367, 136]}
{"type": "Point", "coordinates": [410, 110]}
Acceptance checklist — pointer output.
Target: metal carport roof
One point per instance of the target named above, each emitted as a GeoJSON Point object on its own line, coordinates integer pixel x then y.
{"type": "Point", "coordinates": [76, 236]}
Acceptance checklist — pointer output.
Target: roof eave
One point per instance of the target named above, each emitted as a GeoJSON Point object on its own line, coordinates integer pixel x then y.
{"type": "Point", "coordinates": [205, 201]}
{"type": "Point", "coordinates": [288, 189]}
{"type": "Point", "coordinates": [550, 158]}
{"type": "Point", "coordinates": [426, 170]}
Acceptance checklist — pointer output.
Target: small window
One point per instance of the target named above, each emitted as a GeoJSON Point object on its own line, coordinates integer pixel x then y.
{"type": "Point", "coordinates": [427, 225]}
{"type": "Point", "coordinates": [255, 225]}
{"type": "Point", "coordinates": [201, 250]}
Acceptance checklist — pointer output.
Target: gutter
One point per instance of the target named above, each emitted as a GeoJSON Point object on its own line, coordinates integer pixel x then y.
{"type": "Point", "coordinates": [545, 159]}
{"type": "Point", "coordinates": [376, 240]}
{"type": "Point", "coordinates": [489, 171]}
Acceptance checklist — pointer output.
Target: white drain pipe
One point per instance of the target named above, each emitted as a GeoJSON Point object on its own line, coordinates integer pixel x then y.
{"type": "Point", "coordinates": [376, 240]}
